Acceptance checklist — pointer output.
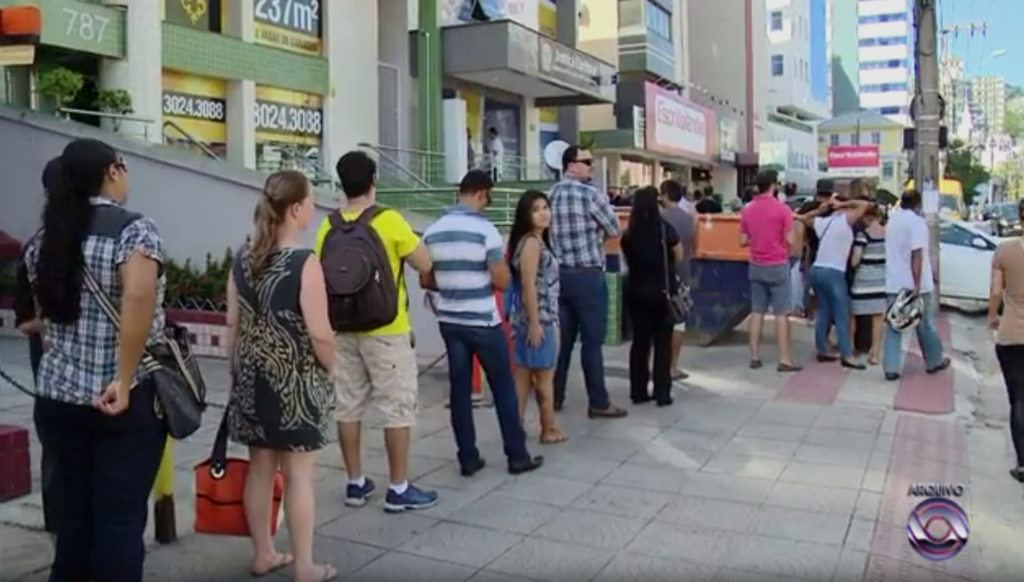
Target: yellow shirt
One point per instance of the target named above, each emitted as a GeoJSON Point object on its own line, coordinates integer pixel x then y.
{"type": "Point", "coordinates": [399, 242]}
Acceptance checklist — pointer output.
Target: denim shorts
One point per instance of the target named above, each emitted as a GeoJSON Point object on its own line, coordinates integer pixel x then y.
{"type": "Point", "coordinates": [770, 286]}
{"type": "Point", "coordinates": [541, 357]}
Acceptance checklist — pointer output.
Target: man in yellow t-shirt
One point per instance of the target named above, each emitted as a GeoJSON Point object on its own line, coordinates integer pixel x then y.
{"type": "Point", "coordinates": [378, 368]}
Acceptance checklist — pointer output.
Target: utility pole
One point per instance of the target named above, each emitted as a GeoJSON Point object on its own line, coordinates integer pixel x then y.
{"type": "Point", "coordinates": [927, 113]}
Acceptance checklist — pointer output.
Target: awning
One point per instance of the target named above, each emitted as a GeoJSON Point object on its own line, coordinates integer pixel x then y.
{"type": "Point", "coordinates": [508, 56]}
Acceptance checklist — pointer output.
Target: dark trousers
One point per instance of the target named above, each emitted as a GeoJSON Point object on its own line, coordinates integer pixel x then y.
{"type": "Point", "coordinates": [108, 466]}
{"type": "Point", "coordinates": [48, 468]}
{"type": "Point", "coordinates": [488, 345]}
{"type": "Point", "coordinates": [1011, 361]}
{"type": "Point", "coordinates": [583, 312]}
{"type": "Point", "coordinates": [652, 327]}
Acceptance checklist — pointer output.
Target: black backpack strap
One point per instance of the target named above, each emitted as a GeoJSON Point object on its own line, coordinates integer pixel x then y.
{"type": "Point", "coordinates": [336, 219]}
{"type": "Point", "coordinates": [370, 213]}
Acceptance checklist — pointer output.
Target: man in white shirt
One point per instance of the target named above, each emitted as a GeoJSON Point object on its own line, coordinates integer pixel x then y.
{"type": "Point", "coordinates": [908, 266]}
{"type": "Point", "coordinates": [496, 154]}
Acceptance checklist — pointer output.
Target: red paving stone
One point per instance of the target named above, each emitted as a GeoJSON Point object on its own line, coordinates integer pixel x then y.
{"type": "Point", "coordinates": [921, 392]}
{"type": "Point", "coordinates": [924, 451]}
{"type": "Point", "coordinates": [817, 383]}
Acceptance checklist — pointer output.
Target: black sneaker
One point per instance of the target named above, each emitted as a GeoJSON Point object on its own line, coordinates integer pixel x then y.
{"type": "Point", "coordinates": [892, 376]}
{"type": "Point", "coordinates": [945, 363]}
{"type": "Point", "coordinates": [530, 464]}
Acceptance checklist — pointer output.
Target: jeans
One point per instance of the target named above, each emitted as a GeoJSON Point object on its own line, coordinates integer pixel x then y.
{"type": "Point", "coordinates": [927, 339]}
{"type": "Point", "coordinates": [488, 345]}
{"type": "Point", "coordinates": [1011, 362]}
{"type": "Point", "coordinates": [108, 466]}
{"type": "Point", "coordinates": [652, 326]}
{"type": "Point", "coordinates": [583, 311]}
{"type": "Point", "coordinates": [833, 296]}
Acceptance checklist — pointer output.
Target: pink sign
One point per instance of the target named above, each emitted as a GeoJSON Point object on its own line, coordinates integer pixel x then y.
{"type": "Point", "coordinates": [854, 161]}
{"type": "Point", "coordinates": [675, 125]}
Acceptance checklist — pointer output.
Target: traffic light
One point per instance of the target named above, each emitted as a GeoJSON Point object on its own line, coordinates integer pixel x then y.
{"type": "Point", "coordinates": [20, 27]}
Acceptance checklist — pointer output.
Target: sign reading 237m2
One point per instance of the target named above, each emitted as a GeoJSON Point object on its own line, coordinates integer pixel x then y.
{"type": "Point", "coordinates": [298, 15]}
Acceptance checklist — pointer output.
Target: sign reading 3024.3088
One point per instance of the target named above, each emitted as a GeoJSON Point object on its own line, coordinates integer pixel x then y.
{"type": "Point", "coordinates": [299, 15]}
{"type": "Point", "coordinates": [284, 118]}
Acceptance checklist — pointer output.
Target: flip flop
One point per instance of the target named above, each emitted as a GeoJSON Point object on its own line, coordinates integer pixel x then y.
{"type": "Point", "coordinates": [284, 560]}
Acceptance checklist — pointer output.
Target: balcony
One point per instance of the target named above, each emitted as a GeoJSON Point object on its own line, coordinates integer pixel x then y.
{"type": "Point", "coordinates": [508, 56]}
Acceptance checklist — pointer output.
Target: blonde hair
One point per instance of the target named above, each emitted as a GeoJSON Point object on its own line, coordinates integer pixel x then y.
{"type": "Point", "coordinates": [281, 191]}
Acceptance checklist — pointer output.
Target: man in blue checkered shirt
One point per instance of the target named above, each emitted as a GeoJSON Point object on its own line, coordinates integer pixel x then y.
{"type": "Point", "coordinates": [581, 220]}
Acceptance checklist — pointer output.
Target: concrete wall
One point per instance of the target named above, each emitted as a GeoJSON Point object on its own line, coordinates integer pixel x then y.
{"type": "Point", "coordinates": [200, 206]}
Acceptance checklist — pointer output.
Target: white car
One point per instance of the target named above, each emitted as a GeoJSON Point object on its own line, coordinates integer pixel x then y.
{"type": "Point", "coordinates": [965, 260]}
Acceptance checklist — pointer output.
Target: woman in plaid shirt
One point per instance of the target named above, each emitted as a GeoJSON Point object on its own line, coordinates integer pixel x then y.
{"type": "Point", "coordinates": [94, 405]}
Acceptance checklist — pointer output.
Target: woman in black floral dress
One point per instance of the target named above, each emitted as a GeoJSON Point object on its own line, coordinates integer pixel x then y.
{"type": "Point", "coordinates": [282, 354]}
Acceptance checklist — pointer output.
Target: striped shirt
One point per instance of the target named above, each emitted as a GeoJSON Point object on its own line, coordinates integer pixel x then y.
{"type": "Point", "coordinates": [463, 245]}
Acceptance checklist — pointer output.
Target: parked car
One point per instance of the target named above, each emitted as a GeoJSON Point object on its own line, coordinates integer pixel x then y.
{"type": "Point", "coordinates": [1004, 219]}
{"type": "Point", "coordinates": [965, 260]}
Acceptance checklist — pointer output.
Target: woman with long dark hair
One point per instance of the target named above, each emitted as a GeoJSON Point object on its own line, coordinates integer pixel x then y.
{"type": "Point", "coordinates": [651, 249]}
{"type": "Point", "coordinates": [282, 357]}
{"type": "Point", "coordinates": [95, 404]}
{"type": "Point", "coordinates": [534, 317]}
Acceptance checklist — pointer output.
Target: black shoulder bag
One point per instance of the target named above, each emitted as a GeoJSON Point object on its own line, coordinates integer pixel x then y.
{"type": "Point", "coordinates": [676, 292]}
{"type": "Point", "coordinates": [171, 365]}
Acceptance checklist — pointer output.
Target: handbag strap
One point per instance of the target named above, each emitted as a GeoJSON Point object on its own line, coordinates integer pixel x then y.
{"type": "Point", "coordinates": [667, 259]}
{"type": "Point", "coordinates": [219, 455]}
{"type": "Point", "coordinates": [107, 307]}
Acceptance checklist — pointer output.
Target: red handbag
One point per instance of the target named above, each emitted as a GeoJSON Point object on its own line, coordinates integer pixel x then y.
{"type": "Point", "coordinates": [220, 488]}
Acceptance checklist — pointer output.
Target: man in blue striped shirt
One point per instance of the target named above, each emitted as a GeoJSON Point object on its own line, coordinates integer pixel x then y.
{"type": "Point", "coordinates": [468, 257]}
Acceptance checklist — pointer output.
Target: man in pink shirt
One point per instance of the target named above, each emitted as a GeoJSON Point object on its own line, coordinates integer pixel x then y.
{"type": "Point", "coordinates": [766, 227]}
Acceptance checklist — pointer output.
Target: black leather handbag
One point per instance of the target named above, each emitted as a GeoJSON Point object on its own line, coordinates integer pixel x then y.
{"type": "Point", "coordinates": [171, 365]}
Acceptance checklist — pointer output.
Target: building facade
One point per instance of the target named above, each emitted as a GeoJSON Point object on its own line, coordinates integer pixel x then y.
{"type": "Point", "coordinates": [871, 51]}
{"type": "Point", "coordinates": [294, 84]}
{"type": "Point", "coordinates": [988, 97]}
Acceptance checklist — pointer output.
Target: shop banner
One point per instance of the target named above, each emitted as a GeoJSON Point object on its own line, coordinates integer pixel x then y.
{"type": "Point", "coordinates": [854, 161]}
{"type": "Point", "coordinates": [293, 25]}
{"type": "Point", "coordinates": [198, 106]}
{"type": "Point", "coordinates": [677, 126]}
{"type": "Point", "coordinates": [288, 117]}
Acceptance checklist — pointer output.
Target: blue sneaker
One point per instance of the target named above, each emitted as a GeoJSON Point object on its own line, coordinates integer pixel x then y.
{"type": "Point", "coordinates": [356, 496]}
{"type": "Point", "coordinates": [413, 498]}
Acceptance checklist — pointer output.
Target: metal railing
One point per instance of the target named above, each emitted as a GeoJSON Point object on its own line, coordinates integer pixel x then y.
{"type": "Point", "coordinates": [116, 120]}
{"type": "Point", "coordinates": [202, 147]}
{"type": "Point", "coordinates": [515, 169]}
{"type": "Point", "coordinates": [434, 200]}
{"type": "Point", "coordinates": [395, 163]}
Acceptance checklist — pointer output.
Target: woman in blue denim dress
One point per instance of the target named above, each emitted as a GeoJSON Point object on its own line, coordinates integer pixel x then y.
{"type": "Point", "coordinates": [533, 312]}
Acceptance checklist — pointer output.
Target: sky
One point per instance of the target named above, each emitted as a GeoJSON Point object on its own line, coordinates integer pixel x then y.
{"type": "Point", "coordinates": [1004, 19]}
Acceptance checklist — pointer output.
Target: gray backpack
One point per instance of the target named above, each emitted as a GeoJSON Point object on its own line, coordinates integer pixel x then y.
{"type": "Point", "coordinates": [362, 294]}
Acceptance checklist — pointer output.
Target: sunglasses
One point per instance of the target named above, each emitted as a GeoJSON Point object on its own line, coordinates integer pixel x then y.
{"type": "Point", "coordinates": [587, 162]}
{"type": "Point", "coordinates": [120, 164]}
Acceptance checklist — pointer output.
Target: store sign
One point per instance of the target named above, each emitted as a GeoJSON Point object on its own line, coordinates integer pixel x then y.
{"type": "Point", "coordinates": [197, 106]}
{"type": "Point", "coordinates": [293, 25]}
{"type": "Point", "coordinates": [854, 161]}
{"type": "Point", "coordinates": [677, 126]}
{"type": "Point", "coordinates": [83, 26]}
{"type": "Point", "coordinates": [289, 117]}
{"type": "Point", "coordinates": [285, 118]}
{"type": "Point", "coordinates": [568, 65]}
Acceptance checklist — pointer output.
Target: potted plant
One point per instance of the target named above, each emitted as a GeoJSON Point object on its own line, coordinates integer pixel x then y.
{"type": "Point", "coordinates": [59, 86]}
{"type": "Point", "coordinates": [198, 294]}
{"type": "Point", "coordinates": [114, 101]}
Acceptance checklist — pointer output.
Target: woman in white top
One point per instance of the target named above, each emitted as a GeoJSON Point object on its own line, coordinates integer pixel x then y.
{"type": "Point", "coordinates": [828, 276]}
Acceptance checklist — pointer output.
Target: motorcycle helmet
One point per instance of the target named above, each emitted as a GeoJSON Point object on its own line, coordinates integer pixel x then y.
{"type": "Point", "coordinates": [905, 311]}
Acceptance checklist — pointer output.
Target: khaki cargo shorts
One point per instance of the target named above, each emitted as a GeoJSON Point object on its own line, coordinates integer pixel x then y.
{"type": "Point", "coordinates": [378, 371]}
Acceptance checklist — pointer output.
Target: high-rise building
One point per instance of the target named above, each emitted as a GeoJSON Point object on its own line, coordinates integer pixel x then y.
{"type": "Point", "coordinates": [988, 96]}
{"type": "Point", "coordinates": [871, 48]}
{"type": "Point", "coordinates": [798, 89]}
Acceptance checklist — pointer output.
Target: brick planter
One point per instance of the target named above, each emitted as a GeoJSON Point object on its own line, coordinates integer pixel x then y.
{"type": "Point", "coordinates": [206, 328]}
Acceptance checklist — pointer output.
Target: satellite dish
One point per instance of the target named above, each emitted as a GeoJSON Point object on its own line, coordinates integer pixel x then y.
{"type": "Point", "coordinates": [553, 154]}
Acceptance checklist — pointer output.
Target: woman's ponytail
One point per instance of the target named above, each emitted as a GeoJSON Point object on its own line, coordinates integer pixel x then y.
{"type": "Point", "coordinates": [264, 240]}
{"type": "Point", "coordinates": [67, 218]}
